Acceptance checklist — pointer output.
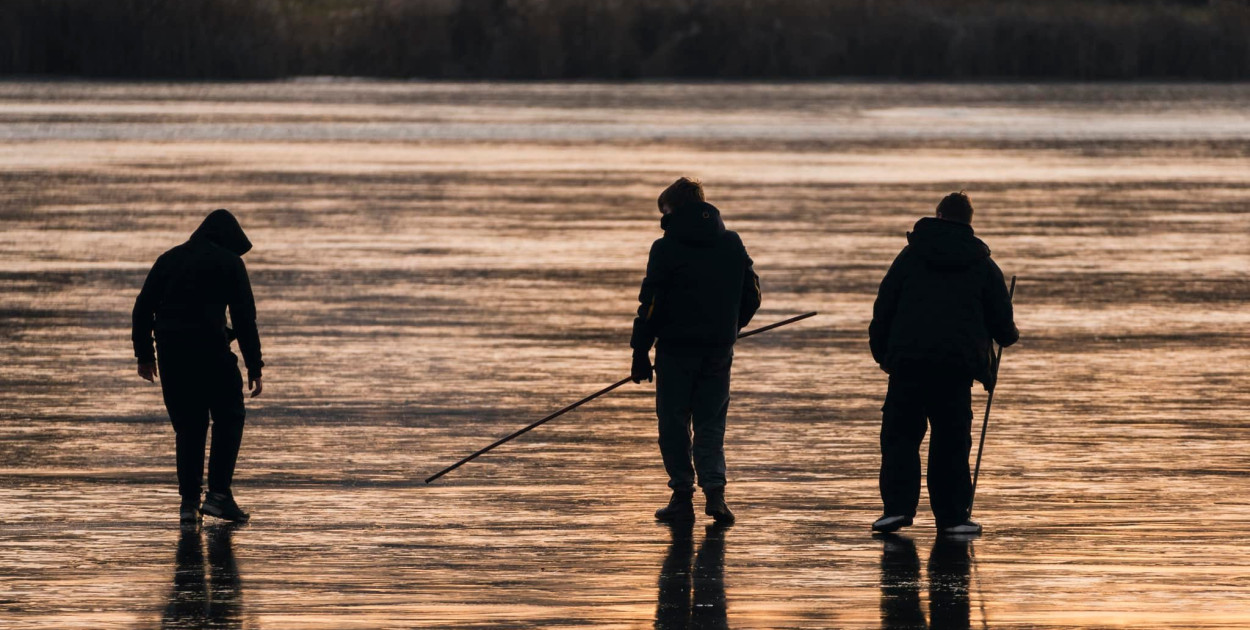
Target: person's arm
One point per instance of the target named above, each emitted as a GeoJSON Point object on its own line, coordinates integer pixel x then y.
{"type": "Point", "coordinates": [650, 309]}
{"type": "Point", "coordinates": [1000, 318]}
{"type": "Point", "coordinates": [143, 321]}
{"type": "Point", "coordinates": [752, 297]}
{"type": "Point", "coordinates": [884, 309]}
{"type": "Point", "coordinates": [243, 319]}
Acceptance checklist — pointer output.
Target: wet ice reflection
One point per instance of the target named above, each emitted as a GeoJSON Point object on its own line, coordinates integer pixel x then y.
{"type": "Point", "coordinates": [207, 591]}
{"type": "Point", "coordinates": [949, 574]}
{"type": "Point", "coordinates": [692, 585]}
{"type": "Point", "coordinates": [420, 299]}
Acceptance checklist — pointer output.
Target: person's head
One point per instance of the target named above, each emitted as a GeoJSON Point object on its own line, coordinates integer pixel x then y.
{"type": "Point", "coordinates": [679, 193]}
{"type": "Point", "coordinates": [955, 207]}
{"type": "Point", "coordinates": [223, 229]}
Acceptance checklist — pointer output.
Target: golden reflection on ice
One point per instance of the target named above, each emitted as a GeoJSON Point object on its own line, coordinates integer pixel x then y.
{"type": "Point", "coordinates": [437, 265]}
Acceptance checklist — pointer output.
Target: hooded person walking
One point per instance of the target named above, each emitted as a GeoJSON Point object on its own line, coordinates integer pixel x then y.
{"type": "Point", "coordinates": [699, 291]}
{"type": "Point", "coordinates": [937, 310]}
{"type": "Point", "coordinates": [184, 302]}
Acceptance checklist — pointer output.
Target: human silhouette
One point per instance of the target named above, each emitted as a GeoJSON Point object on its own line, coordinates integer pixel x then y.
{"type": "Point", "coordinates": [900, 584]}
{"type": "Point", "coordinates": [700, 289]}
{"type": "Point", "coordinates": [693, 597]}
{"type": "Point", "coordinates": [710, 607]}
{"type": "Point", "coordinates": [949, 570]}
{"type": "Point", "coordinates": [938, 309]}
{"type": "Point", "coordinates": [205, 597]}
{"type": "Point", "coordinates": [184, 301]}
{"type": "Point", "coordinates": [672, 608]}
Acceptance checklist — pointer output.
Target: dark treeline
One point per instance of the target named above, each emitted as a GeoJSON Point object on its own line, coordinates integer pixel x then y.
{"type": "Point", "coordinates": [624, 39]}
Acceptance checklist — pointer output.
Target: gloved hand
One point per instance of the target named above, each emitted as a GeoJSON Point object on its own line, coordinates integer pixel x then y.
{"type": "Point", "coordinates": [641, 368]}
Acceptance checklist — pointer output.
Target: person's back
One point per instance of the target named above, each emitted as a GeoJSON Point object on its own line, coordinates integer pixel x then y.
{"type": "Point", "coordinates": [940, 304]}
{"type": "Point", "coordinates": [937, 310]}
{"type": "Point", "coordinates": [699, 306]}
{"type": "Point", "coordinates": [190, 288]}
{"type": "Point", "coordinates": [699, 291]}
{"type": "Point", "coordinates": [184, 301]}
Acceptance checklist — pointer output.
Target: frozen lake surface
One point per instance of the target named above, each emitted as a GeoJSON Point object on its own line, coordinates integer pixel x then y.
{"type": "Point", "coordinates": [437, 265]}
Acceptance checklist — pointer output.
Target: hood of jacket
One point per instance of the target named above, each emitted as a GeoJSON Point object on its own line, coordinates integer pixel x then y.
{"type": "Point", "coordinates": [946, 244]}
{"type": "Point", "coordinates": [221, 228]}
{"type": "Point", "coordinates": [694, 223]}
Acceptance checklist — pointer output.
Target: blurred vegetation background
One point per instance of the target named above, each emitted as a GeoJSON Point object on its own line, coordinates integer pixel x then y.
{"type": "Point", "coordinates": [627, 39]}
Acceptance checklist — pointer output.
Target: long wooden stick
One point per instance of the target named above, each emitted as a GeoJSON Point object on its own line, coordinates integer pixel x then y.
{"type": "Point", "coordinates": [1011, 294]}
{"type": "Point", "coordinates": [585, 400]}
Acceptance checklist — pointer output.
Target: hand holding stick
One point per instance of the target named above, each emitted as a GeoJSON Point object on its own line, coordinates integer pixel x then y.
{"type": "Point", "coordinates": [585, 400]}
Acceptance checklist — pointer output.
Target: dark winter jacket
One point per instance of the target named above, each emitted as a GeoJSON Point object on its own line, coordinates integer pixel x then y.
{"type": "Point", "coordinates": [940, 304]}
{"type": "Point", "coordinates": [700, 288]}
{"type": "Point", "coordinates": [188, 290]}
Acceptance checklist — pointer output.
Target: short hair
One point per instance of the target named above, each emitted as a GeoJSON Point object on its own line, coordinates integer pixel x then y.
{"type": "Point", "coordinates": [680, 193]}
{"type": "Point", "coordinates": [956, 207]}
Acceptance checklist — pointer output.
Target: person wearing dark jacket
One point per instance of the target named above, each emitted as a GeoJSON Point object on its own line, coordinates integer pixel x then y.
{"type": "Point", "coordinates": [938, 308]}
{"type": "Point", "coordinates": [184, 301]}
{"type": "Point", "coordinates": [699, 291]}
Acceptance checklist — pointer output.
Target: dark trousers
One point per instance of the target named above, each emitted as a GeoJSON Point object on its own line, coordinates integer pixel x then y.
{"type": "Point", "coordinates": [946, 401]}
{"type": "Point", "coordinates": [692, 396]}
{"type": "Point", "coordinates": [199, 385]}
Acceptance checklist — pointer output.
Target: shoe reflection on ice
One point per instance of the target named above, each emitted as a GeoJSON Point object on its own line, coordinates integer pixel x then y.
{"type": "Point", "coordinates": [949, 570]}
{"type": "Point", "coordinates": [205, 595]}
{"type": "Point", "coordinates": [693, 596]}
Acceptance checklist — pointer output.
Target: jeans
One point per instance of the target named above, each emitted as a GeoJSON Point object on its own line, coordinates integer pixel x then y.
{"type": "Point", "coordinates": [691, 402]}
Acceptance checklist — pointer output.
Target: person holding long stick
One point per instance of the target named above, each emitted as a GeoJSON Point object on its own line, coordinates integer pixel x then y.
{"type": "Point", "coordinates": [700, 290]}
{"type": "Point", "coordinates": [938, 309]}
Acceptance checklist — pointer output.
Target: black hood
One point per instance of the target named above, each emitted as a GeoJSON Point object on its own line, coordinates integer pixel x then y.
{"type": "Point", "coordinates": [697, 222]}
{"type": "Point", "coordinates": [223, 229]}
{"type": "Point", "coordinates": [946, 244]}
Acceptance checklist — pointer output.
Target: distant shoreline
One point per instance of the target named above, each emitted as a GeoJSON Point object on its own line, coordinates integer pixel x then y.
{"type": "Point", "coordinates": [640, 40]}
{"type": "Point", "coordinates": [313, 80]}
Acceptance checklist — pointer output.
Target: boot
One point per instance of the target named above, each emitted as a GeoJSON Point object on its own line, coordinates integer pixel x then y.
{"type": "Point", "coordinates": [966, 528]}
{"type": "Point", "coordinates": [189, 511]}
{"type": "Point", "coordinates": [223, 507]}
{"type": "Point", "coordinates": [680, 508]}
{"type": "Point", "coordinates": [716, 507]}
{"type": "Point", "coordinates": [890, 523]}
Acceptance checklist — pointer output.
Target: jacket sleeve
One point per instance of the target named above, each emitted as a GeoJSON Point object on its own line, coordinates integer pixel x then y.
{"type": "Point", "coordinates": [884, 309]}
{"type": "Point", "coordinates": [999, 315]}
{"type": "Point", "coordinates": [243, 319]}
{"type": "Point", "coordinates": [649, 300]}
{"type": "Point", "coordinates": [752, 297]}
{"type": "Point", "coordinates": [143, 317]}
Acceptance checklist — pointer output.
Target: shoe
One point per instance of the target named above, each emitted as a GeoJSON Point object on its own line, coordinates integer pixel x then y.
{"type": "Point", "coordinates": [890, 523]}
{"type": "Point", "coordinates": [680, 508]}
{"type": "Point", "coordinates": [223, 507]}
{"type": "Point", "coordinates": [966, 528]}
{"type": "Point", "coordinates": [189, 511]}
{"type": "Point", "coordinates": [716, 507]}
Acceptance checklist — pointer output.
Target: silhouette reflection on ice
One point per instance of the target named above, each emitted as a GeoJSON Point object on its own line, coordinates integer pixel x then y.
{"type": "Point", "coordinates": [678, 605]}
{"type": "Point", "coordinates": [205, 596]}
{"type": "Point", "coordinates": [950, 565]}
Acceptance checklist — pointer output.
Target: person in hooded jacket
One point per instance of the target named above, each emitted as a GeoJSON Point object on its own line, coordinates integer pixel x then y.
{"type": "Point", "coordinates": [699, 291]}
{"type": "Point", "coordinates": [184, 301]}
{"type": "Point", "coordinates": [937, 310]}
